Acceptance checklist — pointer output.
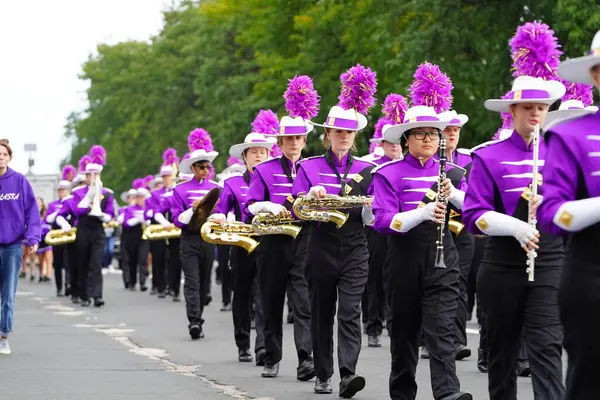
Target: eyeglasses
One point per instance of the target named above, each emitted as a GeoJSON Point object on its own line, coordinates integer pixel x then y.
{"type": "Point", "coordinates": [432, 135]}
{"type": "Point", "coordinates": [202, 166]}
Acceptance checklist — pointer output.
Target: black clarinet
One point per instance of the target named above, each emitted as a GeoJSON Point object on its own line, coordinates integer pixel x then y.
{"type": "Point", "coordinates": [439, 254]}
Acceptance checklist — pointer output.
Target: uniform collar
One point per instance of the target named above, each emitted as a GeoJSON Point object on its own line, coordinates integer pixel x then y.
{"type": "Point", "coordinates": [415, 162]}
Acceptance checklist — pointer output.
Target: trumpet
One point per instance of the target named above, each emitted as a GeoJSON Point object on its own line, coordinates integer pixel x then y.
{"type": "Point", "coordinates": [229, 233]}
{"type": "Point", "coordinates": [531, 219]}
{"type": "Point", "coordinates": [326, 209]}
{"type": "Point", "coordinates": [58, 237]}
{"type": "Point", "coordinates": [268, 224]}
{"type": "Point", "coordinates": [159, 232]}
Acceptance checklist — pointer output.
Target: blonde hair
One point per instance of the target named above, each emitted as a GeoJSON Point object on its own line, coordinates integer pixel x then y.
{"type": "Point", "coordinates": [327, 142]}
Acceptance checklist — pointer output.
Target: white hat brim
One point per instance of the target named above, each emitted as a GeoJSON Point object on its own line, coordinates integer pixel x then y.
{"type": "Point", "coordinates": [559, 116]}
{"type": "Point", "coordinates": [362, 124]}
{"type": "Point", "coordinates": [578, 69]}
{"type": "Point", "coordinates": [237, 150]}
{"type": "Point", "coordinates": [185, 167]}
{"type": "Point", "coordinates": [377, 140]}
{"type": "Point", "coordinates": [462, 118]}
{"type": "Point", "coordinates": [395, 132]}
{"type": "Point", "coordinates": [557, 91]}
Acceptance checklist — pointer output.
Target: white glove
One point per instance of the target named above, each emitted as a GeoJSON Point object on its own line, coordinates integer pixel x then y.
{"type": "Point", "coordinates": [267, 206]}
{"type": "Point", "coordinates": [141, 218]}
{"type": "Point", "coordinates": [315, 191]}
{"type": "Point", "coordinates": [121, 218]}
{"type": "Point", "coordinates": [230, 217]}
{"type": "Point", "coordinates": [62, 222]}
{"type": "Point", "coordinates": [99, 183]}
{"type": "Point", "coordinates": [90, 192]}
{"type": "Point", "coordinates": [405, 221]}
{"type": "Point", "coordinates": [574, 216]}
{"type": "Point", "coordinates": [50, 218]}
{"type": "Point", "coordinates": [149, 213]}
{"type": "Point", "coordinates": [133, 221]}
{"type": "Point", "coordinates": [456, 196]}
{"type": "Point", "coordinates": [162, 220]}
{"type": "Point", "coordinates": [367, 215]}
{"type": "Point", "coordinates": [105, 217]}
{"type": "Point", "coordinates": [219, 218]}
{"type": "Point", "coordinates": [274, 208]}
{"type": "Point", "coordinates": [493, 223]}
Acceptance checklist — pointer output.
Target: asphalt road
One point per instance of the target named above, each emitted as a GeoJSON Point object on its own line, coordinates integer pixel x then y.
{"type": "Point", "coordinates": [137, 347]}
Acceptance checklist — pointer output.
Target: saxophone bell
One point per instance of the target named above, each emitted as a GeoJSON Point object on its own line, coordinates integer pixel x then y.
{"type": "Point", "coordinates": [96, 210]}
{"type": "Point", "coordinates": [229, 233]}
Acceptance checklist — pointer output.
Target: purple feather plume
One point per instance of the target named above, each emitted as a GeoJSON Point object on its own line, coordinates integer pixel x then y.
{"type": "Point", "coordinates": [394, 107]}
{"type": "Point", "coordinates": [431, 88]}
{"type": "Point", "coordinates": [506, 116]}
{"type": "Point", "coordinates": [233, 161]}
{"type": "Point", "coordinates": [266, 122]}
{"type": "Point", "coordinates": [170, 157]}
{"type": "Point", "coordinates": [275, 151]}
{"type": "Point", "coordinates": [535, 51]}
{"type": "Point", "coordinates": [578, 91]}
{"type": "Point", "coordinates": [98, 154]}
{"type": "Point", "coordinates": [359, 85]}
{"type": "Point", "coordinates": [68, 172]}
{"type": "Point", "coordinates": [138, 183]}
{"type": "Point", "coordinates": [301, 98]}
{"type": "Point", "coordinates": [186, 156]}
{"type": "Point", "coordinates": [148, 180]}
{"type": "Point", "coordinates": [200, 139]}
{"type": "Point", "coordinates": [378, 134]}
{"type": "Point", "coordinates": [83, 162]}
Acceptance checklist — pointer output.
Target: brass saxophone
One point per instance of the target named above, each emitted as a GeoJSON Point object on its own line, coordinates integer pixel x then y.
{"type": "Point", "coordinates": [326, 209]}
{"type": "Point", "coordinates": [58, 237]}
{"type": "Point", "coordinates": [265, 223]}
{"type": "Point", "coordinates": [159, 232]}
{"type": "Point", "coordinates": [229, 233]}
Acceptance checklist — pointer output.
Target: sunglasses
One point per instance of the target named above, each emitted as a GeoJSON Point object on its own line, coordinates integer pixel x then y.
{"type": "Point", "coordinates": [202, 166]}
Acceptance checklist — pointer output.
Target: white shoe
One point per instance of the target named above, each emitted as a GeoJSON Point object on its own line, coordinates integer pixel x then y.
{"type": "Point", "coordinates": [4, 347]}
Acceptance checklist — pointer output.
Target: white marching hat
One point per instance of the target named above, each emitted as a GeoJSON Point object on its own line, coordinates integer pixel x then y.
{"type": "Point", "coordinates": [578, 69]}
{"type": "Point", "coordinates": [253, 139]}
{"type": "Point", "coordinates": [415, 117]}
{"type": "Point", "coordinates": [381, 139]}
{"type": "Point", "coordinates": [350, 120]}
{"type": "Point", "coordinates": [196, 156]}
{"type": "Point", "coordinates": [454, 118]}
{"type": "Point", "coordinates": [92, 168]}
{"type": "Point", "coordinates": [568, 110]}
{"type": "Point", "coordinates": [143, 192]}
{"type": "Point", "coordinates": [166, 170]}
{"type": "Point", "coordinates": [527, 89]}
{"type": "Point", "coordinates": [298, 126]}
{"type": "Point", "coordinates": [64, 185]}
{"type": "Point", "coordinates": [125, 195]}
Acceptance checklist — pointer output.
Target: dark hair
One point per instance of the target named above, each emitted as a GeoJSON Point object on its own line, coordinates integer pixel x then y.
{"type": "Point", "coordinates": [4, 142]}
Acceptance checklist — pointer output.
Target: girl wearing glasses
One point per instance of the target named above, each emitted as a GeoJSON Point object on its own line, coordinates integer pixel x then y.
{"type": "Point", "coordinates": [419, 294]}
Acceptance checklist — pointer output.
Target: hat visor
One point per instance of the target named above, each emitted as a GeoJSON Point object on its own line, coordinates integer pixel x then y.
{"type": "Point", "coordinates": [462, 118]}
{"type": "Point", "coordinates": [237, 150]}
{"type": "Point", "coordinates": [578, 69]}
{"type": "Point", "coordinates": [362, 124]}
{"type": "Point", "coordinates": [185, 167]}
{"type": "Point", "coordinates": [395, 132]}
{"type": "Point", "coordinates": [559, 116]}
{"type": "Point", "coordinates": [504, 105]}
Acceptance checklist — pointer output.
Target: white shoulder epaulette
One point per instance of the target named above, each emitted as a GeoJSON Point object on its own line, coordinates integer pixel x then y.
{"type": "Point", "coordinates": [109, 190]}
{"type": "Point", "coordinates": [386, 164]}
{"type": "Point", "coordinates": [233, 175]}
{"type": "Point", "coordinates": [268, 160]}
{"type": "Point", "coordinates": [66, 198]}
{"type": "Point", "coordinates": [219, 184]}
{"type": "Point", "coordinates": [466, 152]}
{"type": "Point", "coordinates": [78, 188]}
{"type": "Point", "coordinates": [487, 144]}
{"type": "Point", "coordinates": [309, 158]}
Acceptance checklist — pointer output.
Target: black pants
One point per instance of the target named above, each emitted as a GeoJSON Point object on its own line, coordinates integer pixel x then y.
{"type": "Point", "coordinates": [174, 266]}
{"type": "Point", "coordinates": [465, 246]}
{"type": "Point", "coordinates": [135, 256]}
{"type": "Point", "coordinates": [512, 305]}
{"type": "Point", "coordinates": [158, 248]}
{"type": "Point", "coordinates": [245, 294]}
{"type": "Point", "coordinates": [580, 314]}
{"type": "Point", "coordinates": [421, 298]}
{"type": "Point", "coordinates": [479, 247]}
{"type": "Point", "coordinates": [336, 271]}
{"type": "Point", "coordinates": [197, 257]}
{"type": "Point", "coordinates": [377, 304]}
{"type": "Point", "coordinates": [280, 269]}
{"type": "Point", "coordinates": [224, 254]}
{"type": "Point", "coordinates": [61, 264]}
{"type": "Point", "coordinates": [74, 269]}
{"type": "Point", "coordinates": [90, 250]}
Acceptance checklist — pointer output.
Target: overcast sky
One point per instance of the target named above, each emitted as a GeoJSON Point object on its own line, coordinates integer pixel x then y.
{"type": "Point", "coordinates": [43, 44]}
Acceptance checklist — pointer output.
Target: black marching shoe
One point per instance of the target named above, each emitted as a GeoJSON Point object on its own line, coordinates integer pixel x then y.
{"type": "Point", "coordinates": [59, 293]}
{"type": "Point", "coordinates": [207, 299]}
{"type": "Point", "coordinates": [244, 356]}
{"type": "Point", "coordinates": [176, 298]}
{"type": "Point", "coordinates": [143, 288]}
{"type": "Point", "coordinates": [153, 291]}
{"type": "Point", "coordinates": [260, 358]}
{"type": "Point", "coordinates": [98, 302]}
{"type": "Point", "coordinates": [350, 385]}
{"type": "Point", "coordinates": [270, 371]}
{"type": "Point", "coordinates": [323, 387]}
{"type": "Point", "coordinates": [374, 341]}
{"type": "Point", "coordinates": [462, 352]}
{"type": "Point", "coordinates": [458, 396]}
{"type": "Point", "coordinates": [523, 368]}
{"type": "Point", "coordinates": [306, 370]}
{"type": "Point", "coordinates": [85, 303]}
{"type": "Point", "coordinates": [482, 361]}
{"type": "Point", "coordinates": [75, 300]}
{"type": "Point", "coordinates": [162, 295]}
{"type": "Point", "coordinates": [195, 331]}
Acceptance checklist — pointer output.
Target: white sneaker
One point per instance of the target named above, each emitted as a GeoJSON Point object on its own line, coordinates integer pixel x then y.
{"type": "Point", "coordinates": [4, 347]}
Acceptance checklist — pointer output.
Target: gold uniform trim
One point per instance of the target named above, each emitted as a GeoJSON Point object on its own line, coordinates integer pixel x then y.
{"type": "Point", "coordinates": [290, 198]}
{"type": "Point", "coordinates": [483, 225]}
{"type": "Point", "coordinates": [431, 195]}
{"type": "Point", "coordinates": [396, 225]}
{"type": "Point", "coordinates": [347, 189]}
{"type": "Point", "coordinates": [357, 178]}
{"type": "Point", "coordinates": [566, 219]}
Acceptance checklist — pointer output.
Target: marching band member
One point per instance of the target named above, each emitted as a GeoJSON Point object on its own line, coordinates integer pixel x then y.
{"type": "Point", "coordinates": [61, 262]}
{"type": "Point", "coordinates": [254, 150]}
{"type": "Point", "coordinates": [338, 261]}
{"type": "Point", "coordinates": [495, 205]}
{"type": "Point", "coordinates": [280, 257]}
{"type": "Point", "coordinates": [89, 243]}
{"type": "Point", "coordinates": [135, 249]}
{"type": "Point", "coordinates": [464, 240]}
{"type": "Point", "coordinates": [196, 255]}
{"type": "Point", "coordinates": [421, 295]}
{"type": "Point", "coordinates": [394, 108]}
{"type": "Point", "coordinates": [571, 206]}
{"type": "Point", "coordinates": [19, 219]}
{"type": "Point", "coordinates": [156, 208]}
{"type": "Point", "coordinates": [44, 251]}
